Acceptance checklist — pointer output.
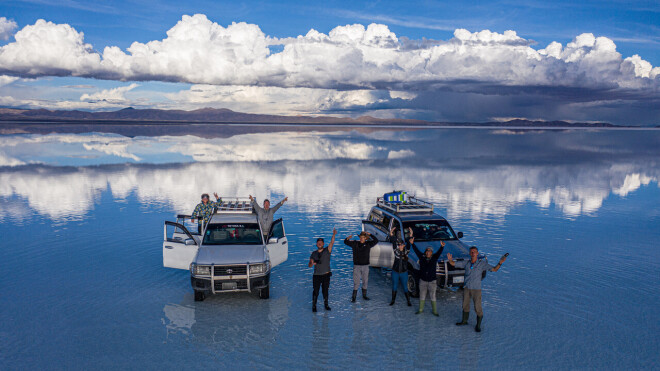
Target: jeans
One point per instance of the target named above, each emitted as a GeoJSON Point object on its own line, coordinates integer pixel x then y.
{"type": "Point", "coordinates": [399, 277]}
{"type": "Point", "coordinates": [475, 295]}
{"type": "Point", "coordinates": [321, 281]}
{"type": "Point", "coordinates": [429, 287]}
{"type": "Point", "coordinates": [360, 272]}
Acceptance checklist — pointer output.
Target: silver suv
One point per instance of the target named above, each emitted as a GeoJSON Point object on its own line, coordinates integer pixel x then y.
{"type": "Point", "coordinates": [230, 255]}
{"type": "Point", "coordinates": [429, 230]}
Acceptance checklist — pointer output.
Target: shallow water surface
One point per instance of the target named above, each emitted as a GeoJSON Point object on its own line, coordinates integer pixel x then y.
{"type": "Point", "coordinates": [81, 250]}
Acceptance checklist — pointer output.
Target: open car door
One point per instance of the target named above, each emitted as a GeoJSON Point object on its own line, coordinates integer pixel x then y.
{"type": "Point", "coordinates": [179, 248]}
{"type": "Point", "coordinates": [278, 246]}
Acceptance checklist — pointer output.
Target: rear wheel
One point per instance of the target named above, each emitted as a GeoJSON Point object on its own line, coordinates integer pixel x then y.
{"type": "Point", "coordinates": [200, 295]}
{"type": "Point", "coordinates": [264, 293]}
{"type": "Point", "coordinates": [413, 287]}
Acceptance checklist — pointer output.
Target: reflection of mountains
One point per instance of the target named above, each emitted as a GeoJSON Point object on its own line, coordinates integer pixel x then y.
{"type": "Point", "coordinates": [338, 186]}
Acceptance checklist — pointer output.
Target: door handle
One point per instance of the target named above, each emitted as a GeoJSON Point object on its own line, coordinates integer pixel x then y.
{"type": "Point", "coordinates": [284, 243]}
{"type": "Point", "coordinates": [169, 247]}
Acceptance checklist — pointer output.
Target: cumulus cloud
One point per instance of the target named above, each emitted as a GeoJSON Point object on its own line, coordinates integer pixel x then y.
{"type": "Point", "coordinates": [7, 27]}
{"type": "Point", "coordinates": [114, 96]}
{"type": "Point", "coordinates": [357, 64]}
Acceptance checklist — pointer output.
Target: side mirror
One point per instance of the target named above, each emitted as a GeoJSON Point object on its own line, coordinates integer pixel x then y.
{"type": "Point", "coordinates": [190, 242]}
{"type": "Point", "coordinates": [272, 240]}
{"type": "Point", "coordinates": [460, 234]}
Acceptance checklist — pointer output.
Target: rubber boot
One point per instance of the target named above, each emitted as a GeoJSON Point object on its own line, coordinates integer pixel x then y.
{"type": "Point", "coordinates": [354, 296]}
{"type": "Point", "coordinates": [421, 307]}
{"type": "Point", "coordinates": [315, 298]}
{"type": "Point", "coordinates": [464, 320]}
{"type": "Point", "coordinates": [325, 304]}
{"type": "Point", "coordinates": [477, 328]}
{"type": "Point", "coordinates": [393, 297]}
{"type": "Point", "coordinates": [408, 299]}
{"type": "Point", "coordinates": [364, 295]}
{"type": "Point", "coordinates": [435, 308]}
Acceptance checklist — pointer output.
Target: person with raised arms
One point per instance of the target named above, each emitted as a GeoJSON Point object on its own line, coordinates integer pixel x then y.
{"type": "Point", "coordinates": [428, 283]}
{"type": "Point", "coordinates": [400, 266]}
{"type": "Point", "coordinates": [265, 214]}
{"type": "Point", "coordinates": [320, 260]}
{"type": "Point", "coordinates": [361, 250]}
{"type": "Point", "coordinates": [474, 269]}
{"type": "Point", "coordinates": [203, 211]}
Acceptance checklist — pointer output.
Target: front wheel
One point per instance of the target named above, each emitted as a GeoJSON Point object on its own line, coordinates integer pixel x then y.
{"type": "Point", "coordinates": [200, 295]}
{"type": "Point", "coordinates": [413, 287]}
{"type": "Point", "coordinates": [264, 293]}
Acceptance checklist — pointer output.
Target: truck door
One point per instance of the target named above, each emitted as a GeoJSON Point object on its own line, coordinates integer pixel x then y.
{"type": "Point", "coordinates": [278, 246]}
{"type": "Point", "coordinates": [179, 247]}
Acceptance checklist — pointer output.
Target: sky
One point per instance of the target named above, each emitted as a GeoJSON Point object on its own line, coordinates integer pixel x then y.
{"type": "Point", "coordinates": [433, 60]}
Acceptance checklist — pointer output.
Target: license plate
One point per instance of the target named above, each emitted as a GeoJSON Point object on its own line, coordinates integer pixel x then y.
{"type": "Point", "coordinates": [229, 286]}
{"type": "Point", "coordinates": [458, 279]}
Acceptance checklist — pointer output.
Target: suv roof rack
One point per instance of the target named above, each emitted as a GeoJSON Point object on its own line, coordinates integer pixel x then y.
{"type": "Point", "coordinates": [412, 205]}
{"type": "Point", "coordinates": [239, 205]}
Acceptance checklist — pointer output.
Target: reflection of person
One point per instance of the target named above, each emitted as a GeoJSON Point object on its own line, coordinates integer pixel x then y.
{"type": "Point", "coordinates": [400, 266]}
{"type": "Point", "coordinates": [203, 211]}
{"type": "Point", "coordinates": [472, 287]}
{"type": "Point", "coordinates": [427, 273]}
{"type": "Point", "coordinates": [265, 214]}
{"type": "Point", "coordinates": [320, 260]}
{"type": "Point", "coordinates": [361, 250]}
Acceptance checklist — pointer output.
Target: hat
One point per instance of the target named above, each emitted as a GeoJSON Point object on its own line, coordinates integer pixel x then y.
{"type": "Point", "coordinates": [205, 195]}
{"type": "Point", "coordinates": [400, 242]}
{"type": "Point", "coordinates": [363, 233]}
{"type": "Point", "coordinates": [319, 239]}
{"type": "Point", "coordinates": [429, 248]}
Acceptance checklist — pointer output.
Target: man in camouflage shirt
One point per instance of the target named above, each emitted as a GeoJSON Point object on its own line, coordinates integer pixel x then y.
{"type": "Point", "coordinates": [203, 210]}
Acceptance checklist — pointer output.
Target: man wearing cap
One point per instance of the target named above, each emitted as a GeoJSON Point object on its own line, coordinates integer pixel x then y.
{"type": "Point", "coordinates": [265, 214]}
{"type": "Point", "coordinates": [361, 250]}
{"type": "Point", "coordinates": [474, 269]}
{"type": "Point", "coordinates": [400, 266]}
{"type": "Point", "coordinates": [320, 260]}
{"type": "Point", "coordinates": [428, 283]}
{"type": "Point", "coordinates": [203, 210]}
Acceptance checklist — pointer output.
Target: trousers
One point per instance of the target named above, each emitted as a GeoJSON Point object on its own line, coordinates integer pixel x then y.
{"type": "Point", "coordinates": [475, 295]}
{"type": "Point", "coordinates": [429, 287]}
{"type": "Point", "coordinates": [360, 272]}
{"type": "Point", "coordinates": [399, 278]}
{"type": "Point", "coordinates": [321, 281]}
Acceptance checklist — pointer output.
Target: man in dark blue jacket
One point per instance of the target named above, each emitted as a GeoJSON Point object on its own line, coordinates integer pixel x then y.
{"type": "Point", "coordinates": [428, 262]}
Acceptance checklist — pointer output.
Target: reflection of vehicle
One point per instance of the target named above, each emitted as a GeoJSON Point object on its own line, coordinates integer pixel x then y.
{"type": "Point", "coordinates": [230, 255]}
{"type": "Point", "coordinates": [429, 229]}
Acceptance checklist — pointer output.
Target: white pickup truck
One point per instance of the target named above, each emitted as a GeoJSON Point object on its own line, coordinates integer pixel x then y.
{"type": "Point", "coordinates": [230, 255]}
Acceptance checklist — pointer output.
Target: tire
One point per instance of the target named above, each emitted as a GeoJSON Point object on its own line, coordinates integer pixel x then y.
{"type": "Point", "coordinates": [200, 296]}
{"type": "Point", "coordinates": [413, 285]}
{"type": "Point", "coordinates": [264, 293]}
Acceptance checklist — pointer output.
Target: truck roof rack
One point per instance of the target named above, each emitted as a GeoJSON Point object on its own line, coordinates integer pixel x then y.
{"type": "Point", "coordinates": [412, 205]}
{"type": "Point", "coordinates": [240, 205]}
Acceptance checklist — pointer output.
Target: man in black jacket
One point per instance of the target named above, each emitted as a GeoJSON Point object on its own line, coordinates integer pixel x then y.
{"type": "Point", "coordinates": [400, 266]}
{"type": "Point", "coordinates": [361, 250]}
{"type": "Point", "coordinates": [427, 274]}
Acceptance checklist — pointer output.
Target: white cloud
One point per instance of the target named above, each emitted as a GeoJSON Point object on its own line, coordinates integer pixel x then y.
{"type": "Point", "coordinates": [200, 51]}
{"type": "Point", "coordinates": [7, 27]}
{"type": "Point", "coordinates": [113, 96]}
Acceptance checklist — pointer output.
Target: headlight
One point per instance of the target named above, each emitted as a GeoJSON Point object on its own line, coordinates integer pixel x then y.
{"type": "Point", "coordinates": [259, 268]}
{"type": "Point", "coordinates": [201, 270]}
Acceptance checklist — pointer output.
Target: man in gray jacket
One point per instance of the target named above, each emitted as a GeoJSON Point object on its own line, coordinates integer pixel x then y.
{"type": "Point", "coordinates": [265, 214]}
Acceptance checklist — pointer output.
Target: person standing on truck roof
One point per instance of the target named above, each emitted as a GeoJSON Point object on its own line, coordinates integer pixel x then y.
{"type": "Point", "coordinates": [203, 210]}
{"type": "Point", "coordinates": [400, 266]}
{"type": "Point", "coordinates": [361, 250]}
{"type": "Point", "coordinates": [428, 262]}
{"type": "Point", "coordinates": [474, 269]}
{"type": "Point", "coordinates": [320, 260]}
{"type": "Point", "coordinates": [265, 214]}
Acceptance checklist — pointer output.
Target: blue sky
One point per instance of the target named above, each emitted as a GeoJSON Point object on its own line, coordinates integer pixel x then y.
{"type": "Point", "coordinates": [632, 27]}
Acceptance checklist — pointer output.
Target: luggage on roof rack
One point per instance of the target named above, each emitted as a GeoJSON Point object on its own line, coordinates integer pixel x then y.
{"type": "Point", "coordinates": [411, 205]}
{"type": "Point", "coordinates": [234, 205]}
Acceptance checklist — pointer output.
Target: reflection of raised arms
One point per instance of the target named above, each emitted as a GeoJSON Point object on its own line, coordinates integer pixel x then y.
{"type": "Point", "coordinates": [332, 240]}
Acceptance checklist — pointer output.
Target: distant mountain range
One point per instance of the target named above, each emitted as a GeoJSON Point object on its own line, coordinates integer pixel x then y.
{"type": "Point", "coordinates": [226, 116]}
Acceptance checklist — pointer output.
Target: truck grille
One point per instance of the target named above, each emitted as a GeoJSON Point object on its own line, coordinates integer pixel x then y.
{"type": "Point", "coordinates": [230, 270]}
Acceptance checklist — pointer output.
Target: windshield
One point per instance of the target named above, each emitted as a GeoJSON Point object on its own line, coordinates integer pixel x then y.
{"type": "Point", "coordinates": [233, 234]}
{"type": "Point", "coordinates": [430, 230]}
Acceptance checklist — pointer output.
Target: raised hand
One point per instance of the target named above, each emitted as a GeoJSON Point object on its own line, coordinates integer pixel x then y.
{"type": "Point", "coordinates": [449, 257]}
{"type": "Point", "coordinates": [442, 243]}
{"type": "Point", "coordinates": [392, 231]}
{"type": "Point", "coordinates": [285, 199]}
{"type": "Point", "coordinates": [349, 237]}
{"type": "Point", "coordinates": [334, 232]}
{"type": "Point", "coordinates": [216, 195]}
{"type": "Point", "coordinates": [410, 231]}
{"type": "Point", "coordinates": [251, 198]}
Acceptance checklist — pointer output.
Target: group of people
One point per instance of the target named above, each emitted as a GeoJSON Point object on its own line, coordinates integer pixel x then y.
{"type": "Point", "coordinates": [361, 248]}
{"type": "Point", "coordinates": [428, 260]}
